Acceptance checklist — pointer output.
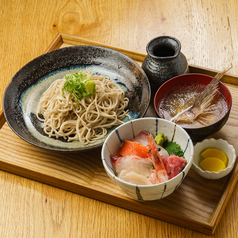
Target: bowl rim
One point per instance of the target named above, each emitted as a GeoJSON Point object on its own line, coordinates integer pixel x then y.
{"type": "Point", "coordinates": [189, 164]}
{"type": "Point", "coordinates": [153, 42]}
{"type": "Point", "coordinates": [193, 74]}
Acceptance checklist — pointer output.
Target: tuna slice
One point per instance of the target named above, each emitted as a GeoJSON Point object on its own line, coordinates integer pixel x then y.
{"type": "Point", "coordinates": [173, 165]}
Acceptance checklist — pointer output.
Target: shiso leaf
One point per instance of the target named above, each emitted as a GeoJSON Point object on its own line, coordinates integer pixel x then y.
{"type": "Point", "coordinates": [173, 148]}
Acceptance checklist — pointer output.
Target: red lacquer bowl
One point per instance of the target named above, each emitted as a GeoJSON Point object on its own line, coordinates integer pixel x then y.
{"type": "Point", "coordinates": [199, 133]}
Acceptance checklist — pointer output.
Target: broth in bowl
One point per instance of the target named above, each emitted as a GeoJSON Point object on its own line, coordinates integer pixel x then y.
{"type": "Point", "coordinates": [182, 97]}
{"type": "Point", "coordinates": [180, 92]}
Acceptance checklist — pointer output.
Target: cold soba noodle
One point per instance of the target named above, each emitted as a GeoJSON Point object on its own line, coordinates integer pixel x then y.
{"type": "Point", "coordinates": [181, 98]}
{"type": "Point", "coordinates": [82, 118]}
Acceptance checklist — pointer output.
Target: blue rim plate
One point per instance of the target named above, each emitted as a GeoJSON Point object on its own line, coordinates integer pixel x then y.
{"type": "Point", "coordinates": [22, 95]}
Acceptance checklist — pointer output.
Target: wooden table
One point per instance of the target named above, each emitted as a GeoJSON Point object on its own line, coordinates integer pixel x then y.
{"type": "Point", "coordinates": [207, 31]}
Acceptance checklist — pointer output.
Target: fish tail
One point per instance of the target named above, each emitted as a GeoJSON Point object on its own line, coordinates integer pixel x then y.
{"type": "Point", "coordinates": [205, 98]}
{"type": "Point", "coordinates": [202, 102]}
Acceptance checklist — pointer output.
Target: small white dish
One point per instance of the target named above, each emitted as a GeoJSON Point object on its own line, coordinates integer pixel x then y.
{"type": "Point", "coordinates": [220, 144]}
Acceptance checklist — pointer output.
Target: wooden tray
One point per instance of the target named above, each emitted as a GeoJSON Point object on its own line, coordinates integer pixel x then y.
{"type": "Point", "coordinates": [197, 204]}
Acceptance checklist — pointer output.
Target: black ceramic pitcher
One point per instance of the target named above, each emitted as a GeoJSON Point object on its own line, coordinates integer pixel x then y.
{"type": "Point", "coordinates": [164, 60]}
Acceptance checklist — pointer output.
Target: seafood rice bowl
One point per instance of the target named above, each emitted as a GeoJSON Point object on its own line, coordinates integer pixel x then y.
{"type": "Point", "coordinates": [148, 158]}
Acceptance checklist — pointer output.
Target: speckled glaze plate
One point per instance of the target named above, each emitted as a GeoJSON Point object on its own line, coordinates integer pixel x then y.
{"type": "Point", "coordinates": [26, 87]}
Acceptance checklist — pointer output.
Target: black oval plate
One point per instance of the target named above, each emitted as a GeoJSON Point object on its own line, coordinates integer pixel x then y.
{"type": "Point", "coordinates": [22, 95]}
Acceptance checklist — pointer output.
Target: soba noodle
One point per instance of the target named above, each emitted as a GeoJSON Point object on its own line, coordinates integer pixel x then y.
{"type": "Point", "coordinates": [85, 120]}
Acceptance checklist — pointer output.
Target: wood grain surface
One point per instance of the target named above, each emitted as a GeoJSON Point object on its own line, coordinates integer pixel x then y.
{"type": "Point", "coordinates": [208, 33]}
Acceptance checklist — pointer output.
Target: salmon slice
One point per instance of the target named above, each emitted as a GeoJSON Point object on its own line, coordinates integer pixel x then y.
{"type": "Point", "coordinates": [134, 148]}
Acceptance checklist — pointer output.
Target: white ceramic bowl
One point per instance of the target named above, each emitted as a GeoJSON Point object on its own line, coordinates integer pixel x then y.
{"type": "Point", "coordinates": [220, 144]}
{"type": "Point", "coordinates": [152, 125]}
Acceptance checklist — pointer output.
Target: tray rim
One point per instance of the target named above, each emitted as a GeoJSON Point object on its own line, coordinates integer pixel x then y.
{"type": "Point", "coordinates": [208, 227]}
{"type": "Point", "coordinates": [63, 38]}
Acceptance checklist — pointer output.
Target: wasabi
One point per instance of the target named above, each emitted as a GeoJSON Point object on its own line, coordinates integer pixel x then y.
{"type": "Point", "coordinates": [90, 87]}
{"type": "Point", "coordinates": [160, 139]}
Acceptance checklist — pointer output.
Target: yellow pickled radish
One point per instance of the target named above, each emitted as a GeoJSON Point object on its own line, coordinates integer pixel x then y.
{"type": "Point", "coordinates": [212, 164]}
{"type": "Point", "coordinates": [216, 154]}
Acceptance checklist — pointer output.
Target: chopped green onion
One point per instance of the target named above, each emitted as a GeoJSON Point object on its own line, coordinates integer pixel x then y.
{"type": "Point", "coordinates": [80, 85]}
